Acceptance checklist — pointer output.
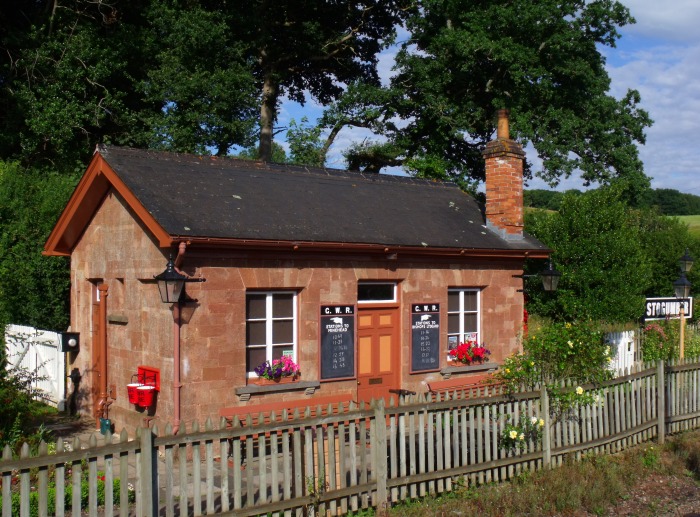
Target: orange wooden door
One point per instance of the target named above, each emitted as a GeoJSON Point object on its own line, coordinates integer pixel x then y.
{"type": "Point", "coordinates": [378, 353]}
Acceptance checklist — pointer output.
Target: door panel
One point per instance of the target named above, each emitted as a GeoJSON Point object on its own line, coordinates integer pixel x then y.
{"type": "Point", "coordinates": [379, 358]}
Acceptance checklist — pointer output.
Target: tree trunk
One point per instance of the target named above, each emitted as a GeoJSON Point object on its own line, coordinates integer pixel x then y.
{"type": "Point", "coordinates": [268, 109]}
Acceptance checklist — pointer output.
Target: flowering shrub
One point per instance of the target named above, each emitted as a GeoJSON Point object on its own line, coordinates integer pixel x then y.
{"type": "Point", "coordinates": [278, 368]}
{"type": "Point", "coordinates": [516, 436]}
{"type": "Point", "coordinates": [470, 352]}
{"type": "Point", "coordinates": [576, 352]}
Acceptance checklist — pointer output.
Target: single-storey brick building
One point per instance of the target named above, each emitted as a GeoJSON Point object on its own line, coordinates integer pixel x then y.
{"type": "Point", "coordinates": [364, 280]}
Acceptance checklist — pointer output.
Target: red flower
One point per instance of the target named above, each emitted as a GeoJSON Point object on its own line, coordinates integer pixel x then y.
{"type": "Point", "coordinates": [469, 352]}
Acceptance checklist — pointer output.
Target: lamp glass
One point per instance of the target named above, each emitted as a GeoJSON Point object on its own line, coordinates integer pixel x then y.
{"type": "Point", "coordinates": [686, 262]}
{"type": "Point", "coordinates": [550, 278]}
{"type": "Point", "coordinates": [682, 287]}
{"type": "Point", "coordinates": [170, 283]}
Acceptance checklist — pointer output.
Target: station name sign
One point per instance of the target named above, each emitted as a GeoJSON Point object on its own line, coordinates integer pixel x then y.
{"type": "Point", "coordinates": [662, 308]}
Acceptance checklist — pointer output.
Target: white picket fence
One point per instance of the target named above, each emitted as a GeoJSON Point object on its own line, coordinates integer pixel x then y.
{"type": "Point", "coordinates": [39, 351]}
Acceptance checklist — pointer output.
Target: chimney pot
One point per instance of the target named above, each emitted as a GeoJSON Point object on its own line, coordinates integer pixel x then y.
{"type": "Point", "coordinates": [503, 131]}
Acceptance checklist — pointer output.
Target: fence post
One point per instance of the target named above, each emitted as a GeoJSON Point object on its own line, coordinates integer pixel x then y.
{"type": "Point", "coordinates": [660, 403]}
{"type": "Point", "coordinates": [148, 472]}
{"type": "Point", "coordinates": [379, 450]}
{"type": "Point", "coordinates": [546, 430]}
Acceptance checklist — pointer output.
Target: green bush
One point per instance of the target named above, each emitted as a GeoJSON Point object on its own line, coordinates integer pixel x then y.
{"type": "Point", "coordinates": [68, 497]}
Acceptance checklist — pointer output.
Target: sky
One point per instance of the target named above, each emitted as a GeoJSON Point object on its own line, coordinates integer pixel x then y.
{"type": "Point", "coordinates": [659, 56]}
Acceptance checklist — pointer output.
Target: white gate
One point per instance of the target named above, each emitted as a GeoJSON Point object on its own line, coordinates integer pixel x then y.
{"type": "Point", "coordinates": [622, 350]}
{"type": "Point", "coordinates": [39, 351]}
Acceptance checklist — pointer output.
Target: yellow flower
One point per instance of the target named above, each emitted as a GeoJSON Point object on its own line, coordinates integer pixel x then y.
{"type": "Point", "coordinates": [521, 437]}
{"type": "Point", "coordinates": [513, 434]}
{"type": "Point", "coordinates": [541, 422]}
{"type": "Point", "coordinates": [579, 390]}
{"type": "Point", "coordinates": [507, 370]}
{"type": "Point", "coordinates": [571, 344]}
{"type": "Point", "coordinates": [568, 325]}
{"type": "Point", "coordinates": [532, 363]}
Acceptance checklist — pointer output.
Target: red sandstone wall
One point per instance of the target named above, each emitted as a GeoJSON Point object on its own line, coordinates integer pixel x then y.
{"type": "Point", "coordinates": [116, 249]}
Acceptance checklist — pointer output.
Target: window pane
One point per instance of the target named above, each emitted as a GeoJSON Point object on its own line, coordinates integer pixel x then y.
{"type": "Point", "coordinates": [255, 333]}
{"type": "Point", "coordinates": [470, 300]}
{"type": "Point", "coordinates": [452, 323]}
{"type": "Point", "coordinates": [278, 351]}
{"type": "Point", "coordinates": [282, 305]}
{"type": "Point", "coordinates": [282, 331]}
{"type": "Point", "coordinates": [375, 292]}
{"type": "Point", "coordinates": [255, 306]}
{"type": "Point", "coordinates": [470, 323]}
{"type": "Point", "coordinates": [452, 301]}
{"type": "Point", "coordinates": [254, 358]}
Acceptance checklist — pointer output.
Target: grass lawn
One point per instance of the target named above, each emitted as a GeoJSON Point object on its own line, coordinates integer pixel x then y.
{"type": "Point", "coordinates": [643, 481]}
{"type": "Point", "coordinates": [693, 222]}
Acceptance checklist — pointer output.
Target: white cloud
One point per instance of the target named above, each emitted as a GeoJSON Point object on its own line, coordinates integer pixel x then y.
{"type": "Point", "coordinates": [673, 20]}
{"type": "Point", "coordinates": [659, 57]}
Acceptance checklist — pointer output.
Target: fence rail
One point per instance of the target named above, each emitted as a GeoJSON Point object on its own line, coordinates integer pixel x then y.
{"type": "Point", "coordinates": [346, 457]}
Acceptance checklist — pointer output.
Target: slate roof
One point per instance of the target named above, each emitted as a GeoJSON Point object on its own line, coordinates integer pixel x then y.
{"type": "Point", "coordinates": [224, 198]}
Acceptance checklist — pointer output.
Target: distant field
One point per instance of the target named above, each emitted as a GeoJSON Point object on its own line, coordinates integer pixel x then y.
{"type": "Point", "coordinates": [693, 222]}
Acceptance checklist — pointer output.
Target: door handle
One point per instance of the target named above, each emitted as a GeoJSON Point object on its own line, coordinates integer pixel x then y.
{"type": "Point", "coordinates": [358, 383]}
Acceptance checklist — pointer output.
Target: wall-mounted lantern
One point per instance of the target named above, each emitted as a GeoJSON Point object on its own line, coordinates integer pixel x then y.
{"type": "Point", "coordinates": [550, 277]}
{"type": "Point", "coordinates": [171, 283]}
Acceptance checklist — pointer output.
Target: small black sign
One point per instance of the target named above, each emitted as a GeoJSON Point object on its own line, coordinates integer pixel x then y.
{"type": "Point", "coordinates": [425, 337]}
{"type": "Point", "coordinates": [337, 341]}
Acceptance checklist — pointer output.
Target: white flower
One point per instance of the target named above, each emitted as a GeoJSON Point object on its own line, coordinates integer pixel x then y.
{"type": "Point", "coordinates": [533, 420]}
{"type": "Point", "coordinates": [607, 350]}
{"type": "Point", "coordinates": [513, 434]}
{"type": "Point", "coordinates": [571, 344]}
{"type": "Point", "coordinates": [579, 390]}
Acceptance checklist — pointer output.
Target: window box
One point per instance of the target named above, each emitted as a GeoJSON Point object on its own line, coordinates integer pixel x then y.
{"type": "Point", "coordinates": [262, 381]}
{"type": "Point", "coordinates": [463, 368]}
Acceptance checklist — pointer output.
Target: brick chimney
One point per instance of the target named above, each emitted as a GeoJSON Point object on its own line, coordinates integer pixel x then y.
{"type": "Point", "coordinates": [504, 182]}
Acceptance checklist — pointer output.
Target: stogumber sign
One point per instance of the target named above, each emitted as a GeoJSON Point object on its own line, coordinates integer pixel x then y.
{"type": "Point", "coordinates": [662, 308]}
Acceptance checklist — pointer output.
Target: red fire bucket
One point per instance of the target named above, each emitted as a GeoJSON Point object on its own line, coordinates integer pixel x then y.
{"type": "Point", "coordinates": [145, 395]}
{"type": "Point", "coordinates": [133, 394]}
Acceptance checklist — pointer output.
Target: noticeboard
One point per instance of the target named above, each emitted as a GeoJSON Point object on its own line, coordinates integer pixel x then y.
{"type": "Point", "coordinates": [425, 337]}
{"type": "Point", "coordinates": [337, 342]}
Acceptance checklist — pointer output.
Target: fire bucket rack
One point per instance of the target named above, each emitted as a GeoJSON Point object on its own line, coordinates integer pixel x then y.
{"type": "Point", "coordinates": [144, 385]}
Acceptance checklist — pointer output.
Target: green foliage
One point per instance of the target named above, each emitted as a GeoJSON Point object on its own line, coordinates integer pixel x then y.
{"type": "Point", "coordinates": [673, 202]}
{"type": "Point", "coordinates": [305, 145]}
{"type": "Point", "coordinates": [661, 340]}
{"type": "Point", "coordinates": [34, 289]}
{"type": "Point", "coordinates": [599, 251]}
{"type": "Point", "coordinates": [68, 497]}
{"type": "Point", "coordinates": [253, 153]}
{"type": "Point", "coordinates": [542, 60]}
{"type": "Point", "coordinates": [68, 82]}
{"type": "Point", "coordinates": [19, 411]}
{"type": "Point", "coordinates": [200, 82]}
{"type": "Point", "coordinates": [575, 351]}
{"type": "Point", "coordinates": [517, 435]}
{"type": "Point", "coordinates": [664, 240]}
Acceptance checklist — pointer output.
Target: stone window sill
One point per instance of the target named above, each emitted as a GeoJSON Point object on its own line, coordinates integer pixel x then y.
{"type": "Point", "coordinates": [448, 371]}
{"type": "Point", "coordinates": [245, 392]}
